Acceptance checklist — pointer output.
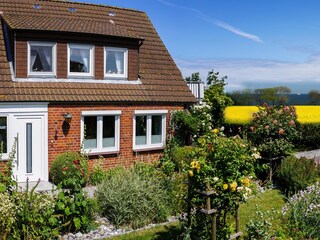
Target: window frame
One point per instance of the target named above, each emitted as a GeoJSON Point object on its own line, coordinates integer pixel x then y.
{"type": "Point", "coordinates": [125, 63]}
{"type": "Point", "coordinates": [100, 115]}
{"type": "Point", "coordinates": [6, 155]}
{"type": "Point", "coordinates": [91, 62]}
{"type": "Point", "coordinates": [53, 73]}
{"type": "Point", "coordinates": [149, 114]}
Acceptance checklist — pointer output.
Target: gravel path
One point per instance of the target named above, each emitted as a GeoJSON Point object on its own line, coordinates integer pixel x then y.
{"type": "Point", "coordinates": [314, 154]}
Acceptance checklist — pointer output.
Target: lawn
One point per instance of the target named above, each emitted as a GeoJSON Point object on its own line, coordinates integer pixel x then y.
{"type": "Point", "coordinates": [270, 199]}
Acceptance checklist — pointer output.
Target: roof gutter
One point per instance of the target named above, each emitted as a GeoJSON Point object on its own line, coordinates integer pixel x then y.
{"type": "Point", "coordinates": [7, 41]}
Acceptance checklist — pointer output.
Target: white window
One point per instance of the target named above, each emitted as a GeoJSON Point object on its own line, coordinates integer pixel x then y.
{"type": "Point", "coordinates": [80, 60]}
{"type": "Point", "coordinates": [41, 59]}
{"type": "Point", "coordinates": [115, 62]}
{"type": "Point", "coordinates": [101, 131]}
{"type": "Point", "coordinates": [149, 129]}
{"type": "Point", "coordinates": [3, 134]}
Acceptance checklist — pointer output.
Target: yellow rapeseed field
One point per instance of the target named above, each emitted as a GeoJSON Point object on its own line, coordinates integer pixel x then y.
{"type": "Point", "coordinates": [308, 114]}
{"type": "Point", "coordinates": [243, 114]}
{"type": "Point", "coordinates": [239, 114]}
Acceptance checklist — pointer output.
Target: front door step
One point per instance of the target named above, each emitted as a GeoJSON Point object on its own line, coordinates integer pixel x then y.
{"type": "Point", "coordinates": [42, 187]}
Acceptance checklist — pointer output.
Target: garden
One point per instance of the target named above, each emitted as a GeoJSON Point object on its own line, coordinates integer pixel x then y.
{"type": "Point", "coordinates": [219, 180]}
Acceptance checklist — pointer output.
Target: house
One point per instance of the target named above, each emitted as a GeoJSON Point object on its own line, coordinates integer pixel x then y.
{"type": "Point", "coordinates": [75, 74]}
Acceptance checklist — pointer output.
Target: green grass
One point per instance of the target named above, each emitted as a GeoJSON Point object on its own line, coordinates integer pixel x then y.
{"type": "Point", "coordinates": [270, 199]}
{"type": "Point", "coordinates": [170, 231]}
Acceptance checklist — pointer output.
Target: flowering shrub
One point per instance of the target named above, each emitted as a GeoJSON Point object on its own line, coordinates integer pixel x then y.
{"type": "Point", "coordinates": [7, 214]}
{"type": "Point", "coordinates": [272, 130]}
{"type": "Point", "coordinates": [227, 165]}
{"type": "Point", "coordinates": [303, 211]}
{"type": "Point", "coordinates": [68, 167]}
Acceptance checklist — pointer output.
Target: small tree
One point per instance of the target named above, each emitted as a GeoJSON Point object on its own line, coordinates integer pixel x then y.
{"type": "Point", "coordinates": [216, 98]}
{"type": "Point", "coordinates": [272, 131]}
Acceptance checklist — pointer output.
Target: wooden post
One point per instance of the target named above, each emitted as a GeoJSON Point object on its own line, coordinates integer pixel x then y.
{"type": "Point", "coordinates": [238, 220]}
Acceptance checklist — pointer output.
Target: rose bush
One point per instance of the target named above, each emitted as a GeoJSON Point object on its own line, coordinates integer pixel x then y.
{"type": "Point", "coordinates": [226, 165]}
{"type": "Point", "coordinates": [272, 131]}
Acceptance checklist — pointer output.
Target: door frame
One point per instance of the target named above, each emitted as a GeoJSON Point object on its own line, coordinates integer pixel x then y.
{"type": "Point", "coordinates": [14, 110]}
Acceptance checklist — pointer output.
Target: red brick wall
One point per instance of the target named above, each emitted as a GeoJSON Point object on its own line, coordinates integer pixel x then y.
{"type": "Point", "coordinates": [59, 143]}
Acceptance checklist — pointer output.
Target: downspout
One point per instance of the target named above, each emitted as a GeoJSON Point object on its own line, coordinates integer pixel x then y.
{"type": "Point", "coordinates": [139, 45]}
{"type": "Point", "coordinates": [8, 47]}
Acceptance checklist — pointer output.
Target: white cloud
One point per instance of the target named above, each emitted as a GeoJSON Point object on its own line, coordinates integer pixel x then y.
{"type": "Point", "coordinates": [215, 22]}
{"type": "Point", "coordinates": [238, 31]}
{"type": "Point", "coordinates": [259, 73]}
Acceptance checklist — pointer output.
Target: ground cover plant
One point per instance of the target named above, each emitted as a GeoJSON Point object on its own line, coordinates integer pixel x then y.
{"type": "Point", "coordinates": [303, 213]}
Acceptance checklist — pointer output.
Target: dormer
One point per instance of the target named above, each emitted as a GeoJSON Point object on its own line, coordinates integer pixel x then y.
{"type": "Point", "coordinates": [74, 48]}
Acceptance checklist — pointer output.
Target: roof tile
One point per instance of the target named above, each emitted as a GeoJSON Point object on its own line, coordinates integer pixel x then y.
{"type": "Point", "coordinates": [160, 77]}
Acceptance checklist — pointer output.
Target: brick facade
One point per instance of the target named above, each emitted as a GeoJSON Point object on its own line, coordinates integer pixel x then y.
{"type": "Point", "coordinates": [61, 140]}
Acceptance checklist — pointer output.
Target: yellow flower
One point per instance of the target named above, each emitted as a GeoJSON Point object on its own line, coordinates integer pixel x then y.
{"type": "Point", "coordinates": [233, 186]}
{"type": "Point", "coordinates": [215, 131]}
{"type": "Point", "coordinates": [191, 173]}
{"type": "Point", "coordinates": [193, 164]}
{"type": "Point", "coordinates": [197, 166]}
{"type": "Point", "coordinates": [225, 186]}
{"type": "Point", "coordinates": [246, 182]}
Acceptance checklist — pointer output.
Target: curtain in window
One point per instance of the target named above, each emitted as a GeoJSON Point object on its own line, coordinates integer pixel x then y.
{"type": "Point", "coordinates": [85, 54]}
{"type": "Point", "coordinates": [45, 57]}
{"type": "Point", "coordinates": [119, 62]}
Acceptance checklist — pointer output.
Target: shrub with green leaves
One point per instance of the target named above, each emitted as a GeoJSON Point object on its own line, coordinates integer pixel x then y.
{"type": "Point", "coordinates": [134, 197]}
{"type": "Point", "coordinates": [180, 156]}
{"type": "Point", "coordinates": [295, 174]}
{"type": "Point", "coordinates": [309, 136]}
{"type": "Point", "coordinates": [70, 172]}
{"type": "Point", "coordinates": [7, 214]}
{"type": "Point", "coordinates": [98, 174]}
{"type": "Point", "coordinates": [303, 212]}
{"type": "Point", "coordinates": [67, 166]}
{"type": "Point", "coordinates": [34, 215]}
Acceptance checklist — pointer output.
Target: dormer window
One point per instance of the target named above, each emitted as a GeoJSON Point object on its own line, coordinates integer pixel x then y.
{"type": "Point", "coordinates": [42, 59]}
{"type": "Point", "coordinates": [80, 60]}
{"type": "Point", "coordinates": [116, 62]}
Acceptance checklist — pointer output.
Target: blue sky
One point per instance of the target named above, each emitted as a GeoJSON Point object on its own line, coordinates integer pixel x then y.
{"type": "Point", "coordinates": [257, 44]}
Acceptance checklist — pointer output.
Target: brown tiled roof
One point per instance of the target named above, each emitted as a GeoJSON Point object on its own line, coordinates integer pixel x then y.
{"type": "Point", "coordinates": [160, 77]}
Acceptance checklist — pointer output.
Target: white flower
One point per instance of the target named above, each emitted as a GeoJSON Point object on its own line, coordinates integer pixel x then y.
{"type": "Point", "coordinates": [215, 179]}
{"type": "Point", "coordinates": [256, 155]}
{"type": "Point", "coordinates": [222, 129]}
{"type": "Point", "coordinates": [239, 189]}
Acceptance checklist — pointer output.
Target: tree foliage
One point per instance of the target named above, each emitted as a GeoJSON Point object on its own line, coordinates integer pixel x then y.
{"type": "Point", "coordinates": [216, 98]}
{"type": "Point", "coordinates": [195, 77]}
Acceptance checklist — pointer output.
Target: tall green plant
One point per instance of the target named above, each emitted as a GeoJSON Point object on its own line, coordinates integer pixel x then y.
{"type": "Point", "coordinates": [216, 98]}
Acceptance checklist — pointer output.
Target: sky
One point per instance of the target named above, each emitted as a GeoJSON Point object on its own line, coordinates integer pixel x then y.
{"type": "Point", "coordinates": [256, 44]}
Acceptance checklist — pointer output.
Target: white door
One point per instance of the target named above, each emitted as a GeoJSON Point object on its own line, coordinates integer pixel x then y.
{"type": "Point", "coordinates": [31, 145]}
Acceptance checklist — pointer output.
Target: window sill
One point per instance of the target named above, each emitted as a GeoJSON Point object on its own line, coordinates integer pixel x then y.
{"type": "Point", "coordinates": [146, 149]}
{"type": "Point", "coordinates": [102, 153]}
